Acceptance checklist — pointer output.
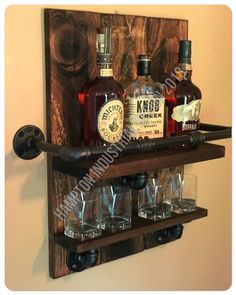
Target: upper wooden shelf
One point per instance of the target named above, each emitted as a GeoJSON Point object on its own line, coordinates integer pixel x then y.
{"type": "Point", "coordinates": [140, 162]}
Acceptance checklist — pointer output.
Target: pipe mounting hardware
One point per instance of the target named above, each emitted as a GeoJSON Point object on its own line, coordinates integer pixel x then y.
{"type": "Point", "coordinates": [24, 142]}
{"type": "Point", "coordinates": [80, 261]}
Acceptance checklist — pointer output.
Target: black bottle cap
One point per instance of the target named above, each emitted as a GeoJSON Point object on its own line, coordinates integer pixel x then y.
{"type": "Point", "coordinates": [185, 51]}
{"type": "Point", "coordinates": [143, 65]}
{"type": "Point", "coordinates": [104, 58]}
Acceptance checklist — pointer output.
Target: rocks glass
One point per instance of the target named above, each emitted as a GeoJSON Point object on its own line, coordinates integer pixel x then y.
{"type": "Point", "coordinates": [182, 190]}
{"type": "Point", "coordinates": [84, 221]}
{"type": "Point", "coordinates": [116, 207]}
{"type": "Point", "coordinates": [152, 202]}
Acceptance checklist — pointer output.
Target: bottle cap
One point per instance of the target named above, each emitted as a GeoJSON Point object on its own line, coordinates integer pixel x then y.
{"type": "Point", "coordinates": [185, 51]}
{"type": "Point", "coordinates": [104, 58]}
{"type": "Point", "coordinates": [143, 65]}
{"type": "Point", "coordinates": [104, 40]}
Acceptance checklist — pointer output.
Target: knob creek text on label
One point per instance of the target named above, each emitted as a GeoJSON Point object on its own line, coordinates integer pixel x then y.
{"type": "Point", "coordinates": [150, 116]}
{"type": "Point", "coordinates": [148, 105]}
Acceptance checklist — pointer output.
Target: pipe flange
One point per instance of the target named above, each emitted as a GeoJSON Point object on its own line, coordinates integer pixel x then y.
{"type": "Point", "coordinates": [23, 142]}
{"type": "Point", "coordinates": [80, 261]}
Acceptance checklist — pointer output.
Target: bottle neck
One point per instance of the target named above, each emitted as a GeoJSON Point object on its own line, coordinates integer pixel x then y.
{"type": "Point", "coordinates": [105, 70]}
{"type": "Point", "coordinates": [104, 60]}
{"type": "Point", "coordinates": [185, 72]}
{"type": "Point", "coordinates": [144, 77]}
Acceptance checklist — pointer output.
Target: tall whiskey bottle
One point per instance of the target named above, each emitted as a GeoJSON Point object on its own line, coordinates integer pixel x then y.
{"type": "Point", "coordinates": [186, 108]}
{"type": "Point", "coordinates": [144, 104]}
{"type": "Point", "coordinates": [103, 99]}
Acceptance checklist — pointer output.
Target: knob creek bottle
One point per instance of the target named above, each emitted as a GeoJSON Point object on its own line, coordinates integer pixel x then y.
{"type": "Point", "coordinates": [144, 104]}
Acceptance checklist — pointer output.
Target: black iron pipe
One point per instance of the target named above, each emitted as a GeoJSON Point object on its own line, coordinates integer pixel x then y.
{"type": "Point", "coordinates": [29, 141]}
{"type": "Point", "coordinates": [212, 127]}
{"type": "Point", "coordinates": [73, 154]}
{"type": "Point", "coordinates": [65, 152]}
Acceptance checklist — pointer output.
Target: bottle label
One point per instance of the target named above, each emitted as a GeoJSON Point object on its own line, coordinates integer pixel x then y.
{"type": "Point", "coordinates": [106, 72]}
{"type": "Point", "coordinates": [144, 116]}
{"type": "Point", "coordinates": [187, 112]}
{"type": "Point", "coordinates": [185, 67]}
{"type": "Point", "coordinates": [110, 121]}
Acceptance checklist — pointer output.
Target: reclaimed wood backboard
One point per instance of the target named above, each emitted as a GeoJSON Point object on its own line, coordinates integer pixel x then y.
{"type": "Point", "coordinates": [70, 52]}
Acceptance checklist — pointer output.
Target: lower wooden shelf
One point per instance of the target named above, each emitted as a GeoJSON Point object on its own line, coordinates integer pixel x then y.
{"type": "Point", "coordinates": [139, 227]}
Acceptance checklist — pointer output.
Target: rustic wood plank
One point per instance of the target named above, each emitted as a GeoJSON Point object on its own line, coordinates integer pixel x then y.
{"type": "Point", "coordinates": [162, 159]}
{"type": "Point", "coordinates": [70, 61]}
{"type": "Point", "coordinates": [140, 162]}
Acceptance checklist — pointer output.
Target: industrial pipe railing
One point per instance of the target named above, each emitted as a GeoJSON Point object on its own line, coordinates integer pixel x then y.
{"type": "Point", "coordinates": [29, 142]}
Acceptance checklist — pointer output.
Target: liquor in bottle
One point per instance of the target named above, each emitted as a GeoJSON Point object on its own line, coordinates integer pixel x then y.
{"type": "Point", "coordinates": [103, 98]}
{"type": "Point", "coordinates": [144, 104]}
{"type": "Point", "coordinates": [184, 110]}
{"type": "Point", "coordinates": [170, 103]}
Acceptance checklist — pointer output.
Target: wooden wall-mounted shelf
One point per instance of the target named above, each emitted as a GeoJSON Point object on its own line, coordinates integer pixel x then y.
{"type": "Point", "coordinates": [70, 50]}
{"type": "Point", "coordinates": [141, 162]}
{"type": "Point", "coordinates": [140, 226]}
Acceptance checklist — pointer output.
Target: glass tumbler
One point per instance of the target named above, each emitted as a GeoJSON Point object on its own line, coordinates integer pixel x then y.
{"type": "Point", "coordinates": [116, 207]}
{"type": "Point", "coordinates": [182, 191]}
{"type": "Point", "coordinates": [84, 222]}
{"type": "Point", "coordinates": [152, 203]}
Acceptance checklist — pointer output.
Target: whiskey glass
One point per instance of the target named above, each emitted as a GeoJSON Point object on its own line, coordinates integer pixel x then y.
{"type": "Point", "coordinates": [181, 190]}
{"type": "Point", "coordinates": [152, 203]}
{"type": "Point", "coordinates": [116, 207]}
{"type": "Point", "coordinates": [84, 221]}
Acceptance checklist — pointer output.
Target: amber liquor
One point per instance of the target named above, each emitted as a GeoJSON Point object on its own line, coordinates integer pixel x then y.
{"type": "Point", "coordinates": [184, 107]}
{"type": "Point", "coordinates": [144, 104]}
{"type": "Point", "coordinates": [103, 99]}
{"type": "Point", "coordinates": [188, 95]}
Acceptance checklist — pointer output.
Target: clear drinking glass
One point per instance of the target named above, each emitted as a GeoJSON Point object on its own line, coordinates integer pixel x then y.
{"type": "Point", "coordinates": [152, 203]}
{"type": "Point", "coordinates": [182, 191]}
{"type": "Point", "coordinates": [84, 222]}
{"type": "Point", "coordinates": [116, 207]}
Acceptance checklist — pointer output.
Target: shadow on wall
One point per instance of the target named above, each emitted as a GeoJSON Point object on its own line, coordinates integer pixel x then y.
{"type": "Point", "coordinates": [36, 172]}
{"type": "Point", "coordinates": [33, 188]}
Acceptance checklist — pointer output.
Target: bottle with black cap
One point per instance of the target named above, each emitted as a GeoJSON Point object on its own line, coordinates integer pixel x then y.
{"type": "Point", "coordinates": [144, 104]}
{"type": "Point", "coordinates": [102, 98]}
{"type": "Point", "coordinates": [188, 96]}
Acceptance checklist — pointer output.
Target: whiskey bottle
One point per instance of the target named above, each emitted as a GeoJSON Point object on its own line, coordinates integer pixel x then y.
{"type": "Point", "coordinates": [103, 98]}
{"type": "Point", "coordinates": [170, 103]}
{"type": "Point", "coordinates": [144, 104]}
{"type": "Point", "coordinates": [185, 109]}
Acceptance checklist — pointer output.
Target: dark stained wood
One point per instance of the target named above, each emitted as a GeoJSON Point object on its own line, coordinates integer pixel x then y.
{"type": "Point", "coordinates": [162, 159]}
{"type": "Point", "coordinates": [140, 226]}
{"type": "Point", "coordinates": [120, 249]}
{"type": "Point", "coordinates": [141, 162]}
{"type": "Point", "coordinates": [70, 53]}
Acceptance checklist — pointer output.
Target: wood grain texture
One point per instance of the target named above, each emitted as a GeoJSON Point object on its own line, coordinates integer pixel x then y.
{"type": "Point", "coordinates": [140, 162]}
{"type": "Point", "coordinates": [70, 53]}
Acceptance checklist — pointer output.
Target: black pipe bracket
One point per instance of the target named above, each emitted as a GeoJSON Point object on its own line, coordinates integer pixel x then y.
{"type": "Point", "coordinates": [24, 139]}
{"type": "Point", "coordinates": [77, 262]}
